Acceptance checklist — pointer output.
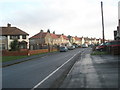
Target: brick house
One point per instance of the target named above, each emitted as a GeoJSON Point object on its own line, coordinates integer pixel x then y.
{"type": "Point", "coordinates": [55, 39]}
{"type": "Point", "coordinates": [9, 34]}
{"type": "Point", "coordinates": [62, 39]}
{"type": "Point", "coordinates": [77, 40]}
{"type": "Point", "coordinates": [40, 40]}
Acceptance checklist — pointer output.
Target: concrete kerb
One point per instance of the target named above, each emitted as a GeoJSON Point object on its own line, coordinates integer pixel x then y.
{"type": "Point", "coordinates": [57, 83]}
{"type": "Point", "coordinates": [17, 61]}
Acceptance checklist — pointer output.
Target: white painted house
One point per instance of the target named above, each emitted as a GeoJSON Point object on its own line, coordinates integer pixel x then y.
{"type": "Point", "coordinates": [8, 34]}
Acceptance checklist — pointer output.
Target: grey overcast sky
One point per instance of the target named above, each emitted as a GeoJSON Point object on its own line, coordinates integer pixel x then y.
{"type": "Point", "coordinates": [71, 17]}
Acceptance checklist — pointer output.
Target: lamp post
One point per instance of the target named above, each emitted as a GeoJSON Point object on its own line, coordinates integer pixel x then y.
{"type": "Point", "coordinates": [102, 22]}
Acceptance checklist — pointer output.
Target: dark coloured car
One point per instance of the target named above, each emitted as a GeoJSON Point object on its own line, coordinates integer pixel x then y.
{"type": "Point", "coordinates": [112, 45]}
{"type": "Point", "coordinates": [101, 47]}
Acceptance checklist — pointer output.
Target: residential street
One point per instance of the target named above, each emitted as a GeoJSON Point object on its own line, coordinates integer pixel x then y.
{"type": "Point", "coordinates": [29, 74]}
{"type": "Point", "coordinates": [56, 71]}
{"type": "Point", "coordinates": [60, 44]}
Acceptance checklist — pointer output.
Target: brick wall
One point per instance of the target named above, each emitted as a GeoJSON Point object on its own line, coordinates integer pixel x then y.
{"type": "Point", "coordinates": [14, 53]}
{"type": "Point", "coordinates": [31, 52]}
{"type": "Point", "coordinates": [26, 52]}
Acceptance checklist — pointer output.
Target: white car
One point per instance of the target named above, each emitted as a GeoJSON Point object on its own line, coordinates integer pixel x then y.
{"type": "Point", "coordinates": [84, 46]}
{"type": "Point", "coordinates": [71, 47]}
{"type": "Point", "coordinates": [63, 49]}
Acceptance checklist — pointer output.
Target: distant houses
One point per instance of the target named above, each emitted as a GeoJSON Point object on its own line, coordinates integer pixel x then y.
{"type": "Point", "coordinates": [44, 39]}
{"type": "Point", "coordinates": [41, 40]}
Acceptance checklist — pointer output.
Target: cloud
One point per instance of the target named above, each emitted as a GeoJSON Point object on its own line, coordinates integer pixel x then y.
{"type": "Point", "coordinates": [71, 17]}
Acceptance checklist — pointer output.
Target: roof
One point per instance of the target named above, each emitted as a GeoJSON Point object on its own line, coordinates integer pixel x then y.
{"type": "Point", "coordinates": [76, 38]}
{"type": "Point", "coordinates": [39, 35]}
{"type": "Point", "coordinates": [65, 37]}
{"type": "Point", "coordinates": [80, 38]}
{"type": "Point", "coordinates": [58, 35]}
{"type": "Point", "coordinates": [53, 36]}
{"type": "Point", "coordinates": [12, 31]}
{"type": "Point", "coordinates": [92, 38]}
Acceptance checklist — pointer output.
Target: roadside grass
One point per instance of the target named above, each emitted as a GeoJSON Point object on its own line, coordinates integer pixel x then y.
{"type": "Point", "coordinates": [11, 58]}
{"type": "Point", "coordinates": [99, 53]}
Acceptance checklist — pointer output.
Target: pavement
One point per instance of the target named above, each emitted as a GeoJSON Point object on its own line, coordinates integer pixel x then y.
{"type": "Point", "coordinates": [9, 63]}
{"type": "Point", "coordinates": [94, 71]}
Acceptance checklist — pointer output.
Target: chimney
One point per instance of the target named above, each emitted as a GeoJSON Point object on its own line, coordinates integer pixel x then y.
{"type": "Point", "coordinates": [48, 31]}
{"type": "Point", "coordinates": [41, 30]}
{"type": "Point", "coordinates": [8, 25]}
{"type": "Point", "coordinates": [53, 32]}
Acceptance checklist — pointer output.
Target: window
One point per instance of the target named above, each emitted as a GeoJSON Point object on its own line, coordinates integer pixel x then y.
{"type": "Point", "coordinates": [14, 37]}
{"type": "Point", "coordinates": [23, 36]}
{"type": "Point", "coordinates": [2, 46]}
{"type": "Point", "coordinates": [3, 37]}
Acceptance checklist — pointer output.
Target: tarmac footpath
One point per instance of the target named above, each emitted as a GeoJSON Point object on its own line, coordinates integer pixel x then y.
{"type": "Point", "coordinates": [94, 71]}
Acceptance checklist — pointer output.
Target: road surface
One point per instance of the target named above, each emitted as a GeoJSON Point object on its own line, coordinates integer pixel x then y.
{"type": "Point", "coordinates": [39, 73]}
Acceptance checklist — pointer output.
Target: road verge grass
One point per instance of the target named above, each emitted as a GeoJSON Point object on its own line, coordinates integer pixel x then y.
{"type": "Point", "coordinates": [99, 53]}
{"type": "Point", "coordinates": [11, 58]}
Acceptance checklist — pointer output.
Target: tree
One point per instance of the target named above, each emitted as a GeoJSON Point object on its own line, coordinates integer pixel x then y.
{"type": "Point", "coordinates": [14, 45]}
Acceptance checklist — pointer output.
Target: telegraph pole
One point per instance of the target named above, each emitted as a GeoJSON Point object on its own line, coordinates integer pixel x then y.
{"type": "Point", "coordinates": [102, 22]}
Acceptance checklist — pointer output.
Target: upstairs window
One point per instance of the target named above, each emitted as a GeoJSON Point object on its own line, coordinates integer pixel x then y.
{"type": "Point", "coordinates": [3, 37]}
{"type": "Point", "coordinates": [23, 36]}
{"type": "Point", "coordinates": [14, 37]}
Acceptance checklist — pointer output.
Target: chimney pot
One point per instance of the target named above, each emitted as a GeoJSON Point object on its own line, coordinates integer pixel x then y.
{"type": "Point", "coordinates": [8, 25]}
{"type": "Point", "coordinates": [41, 30]}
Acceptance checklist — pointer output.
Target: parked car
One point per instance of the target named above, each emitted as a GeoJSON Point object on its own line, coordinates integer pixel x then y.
{"type": "Point", "coordinates": [63, 49]}
{"type": "Point", "coordinates": [71, 47]}
{"type": "Point", "coordinates": [84, 46]}
{"type": "Point", "coordinates": [112, 45]}
{"type": "Point", "coordinates": [101, 47]}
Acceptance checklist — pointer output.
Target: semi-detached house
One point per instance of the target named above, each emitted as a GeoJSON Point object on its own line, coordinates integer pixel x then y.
{"type": "Point", "coordinates": [40, 40]}
{"type": "Point", "coordinates": [9, 34]}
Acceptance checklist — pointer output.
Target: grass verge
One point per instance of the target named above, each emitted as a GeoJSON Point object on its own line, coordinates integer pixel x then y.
{"type": "Point", "coordinates": [11, 58]}
{"type": "Point", "coordinates": [99, 53]}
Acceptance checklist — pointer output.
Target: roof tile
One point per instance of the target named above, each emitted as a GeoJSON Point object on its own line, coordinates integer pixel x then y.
{"type": "Point", "coordinates": [12, 31]}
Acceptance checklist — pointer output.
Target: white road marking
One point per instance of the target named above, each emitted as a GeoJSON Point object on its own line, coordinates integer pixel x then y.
{"type": "Point", "coordinates": [54, 72]}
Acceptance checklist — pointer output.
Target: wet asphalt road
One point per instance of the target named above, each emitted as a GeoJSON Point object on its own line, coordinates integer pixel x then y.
{"type": "Point", "coordinates": [29, 74]}
{"type": "Point", "coordinates": [99, 71]}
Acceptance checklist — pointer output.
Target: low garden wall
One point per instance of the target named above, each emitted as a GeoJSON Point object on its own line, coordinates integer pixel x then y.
{"type": "Point", "coordinates": [26, 52]}
{"type": "Point", "coordinates": [14, 53]}
{"type": "Point", "coordinates": [32, 52]}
